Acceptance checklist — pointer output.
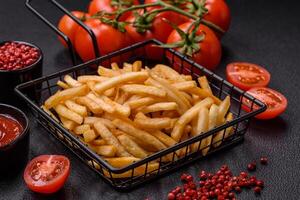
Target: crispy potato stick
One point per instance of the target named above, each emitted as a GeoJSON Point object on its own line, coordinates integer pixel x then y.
{"type": "Point", "coordinates": [91, 78]}
{"type": "Point", "coordinates": [90, 104]}
{"type": "Point", "coordinates": [187, 97]}
{"type": "Point", "coordinates": [105, 150]}
{"type": "Point", "coordinates": [71, 82]}
{"type": "Point", "coordinates": [159, 107]}
{"type": "Point", "coordinates": [187, 77]}
{"type": "Point", "coordinates": [223, 109]}
{"type": "Point", "coordinates": [170, 113]}
{"type": "Point", "coordinates": [62, 85]}
{"type": "Point", "coordinates": [132, 147]}
{"type": "Point", "coordinates": [50, 113]}
{"type": "Point", "coordinates": [115, 66]}
{"type": "Point", "coordinates": [204, 84]}
{"type": "Point", "coordinates": [184, 86]}
{"type": "Point", "coordinates": [104, 105]}
{"type": "Point", "coordinates": [121, 79]}
{"type": "Point", "coordinates": [187, 118]}
{"type": "Point", "coordinates": [79, 130]}
{"type": "Point", "coordinates": [98, 142]}
{"type": "Point", "coordinates": [123, 110]}
{"type": "Point", "coordinates": [110, 92]}
{"type": "Point", "coordinates": [121, 162]}
{"type": "Point", "coordinates": [127, 67]}
{"type": "Point", "coordinates": [139, 171]}
{"type": "Point", "coordinates": [81, 110]}
{"type": "Point", "coordinates": [139, 134]}
{"type": "Point", "coordinates": [65, 95]}
{"type": "Point", "coordinates": [91, 85]}
{"type": "Point", "coordinates": [168, 73]}
{"type": "Point", "coordinates": [145, 146]}
{"type": "Point", "coordinates": [92, 120]}
{"type": "Point", "coordinates": [172, 93]}
{"type": "Point", "coordinates": [137, 66]}
{"type": "Point", "coordinates": [110, 138]}
{"type": "Point", "coordinates": [229, 130]}
{"type": "Point", "coordinates": [68, 114]}
{"type": "Point", "coordinates": [203, 94]}
{"type": "Point", "coordinates": [164, 138]}
{"type": "Point", "coordinates": [102, 71]}
{"type": "Point", "coordinates": [89, 135]}
{"type": "Point", "coordinates": [143, 90]}
{"type": "Point", "coordinates": [145, 122]}
{"type": "Point", "coordinates": [145, 101]}
{"type": "Point", "coordinates": [68, 124]}
{"type": "Point", "coordinates": [201, 127]}
{"type": "Point", "coordinates": [134, 98]}
{"type": "Point", "coordinates": [213, 119]}
{"type": "Point", "coordinates": [121, 97]}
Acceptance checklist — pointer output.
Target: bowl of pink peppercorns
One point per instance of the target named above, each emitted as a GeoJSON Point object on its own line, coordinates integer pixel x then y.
{"type": "Point", "coordinates": [19, 62]}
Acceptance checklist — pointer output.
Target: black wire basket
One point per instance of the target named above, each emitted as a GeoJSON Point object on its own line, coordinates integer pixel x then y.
{"type": "Point", "coordinates": [139, 172]}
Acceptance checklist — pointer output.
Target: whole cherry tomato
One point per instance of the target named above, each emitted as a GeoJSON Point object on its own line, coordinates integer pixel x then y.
{"type": "Point", "coordinates": [210, 52]}
{"type": "Point", "coordinates": [47, 173]}
{"type": "Point", "coordinates": [69, 27]}
{"type": "Point", "coordinates": [107, 6]}
{"type": "Point", "coordinates": [109, 39]}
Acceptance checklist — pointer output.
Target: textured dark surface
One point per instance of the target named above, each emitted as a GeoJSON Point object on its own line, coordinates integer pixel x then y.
{"type": "Point", "coordinates": [265, 32]}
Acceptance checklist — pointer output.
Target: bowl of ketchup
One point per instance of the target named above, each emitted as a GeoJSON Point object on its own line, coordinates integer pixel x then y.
{"type": "Point", "coordinates": [14, 137]}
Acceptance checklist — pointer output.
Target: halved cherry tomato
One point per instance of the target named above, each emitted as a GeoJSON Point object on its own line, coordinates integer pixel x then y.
{"type": "Point", "coordinates": [69, 27]}
{"type": "Point", "coordinates": [47, 173]}
{"type": "Point", "coordinates": [275, 101]}
{"type": "Point", "coordinates": [106, 5]}
{"type": "Point", "coordinates": [247, 75]}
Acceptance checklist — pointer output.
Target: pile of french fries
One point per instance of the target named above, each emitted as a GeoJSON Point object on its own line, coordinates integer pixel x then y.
{"type": "Point", "coordinates": [126, 114]}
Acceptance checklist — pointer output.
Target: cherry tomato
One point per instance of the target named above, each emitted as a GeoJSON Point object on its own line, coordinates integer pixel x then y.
{"type": "Point", "coordinates": [105, 5]}
{"type": "Point", "coordinates": [210, 52]}
{"type": "Point", "coordinates": [47, 173]}
{"type": "Point", "coordinates": [275, 101]}
{"type": "Point", "coordinates": [109, 39]}
{"type": "Point", "coordinates": [69, 27]}
{"type": "Point", "coordinates": [247, 75]}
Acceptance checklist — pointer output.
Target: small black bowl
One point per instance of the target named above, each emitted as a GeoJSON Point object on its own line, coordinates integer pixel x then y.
{"type": "Point", "coordinates": [10, 79]}
{"type": "Point", "coordinates": [14, 155]}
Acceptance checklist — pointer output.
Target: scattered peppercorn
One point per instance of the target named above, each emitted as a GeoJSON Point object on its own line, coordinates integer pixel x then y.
{"type": "Point", "coordinates": [264, 160]}
{"type": "Point", "coordinates": [251, 166]}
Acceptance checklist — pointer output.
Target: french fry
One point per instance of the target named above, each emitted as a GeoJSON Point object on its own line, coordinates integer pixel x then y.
{"type": "Point", "coordinates": [91, 78]}
{"type": "Point", "coordinates": [137, 66]}
{"type": "Point", "coordinates": [81, 110]}
{"type": "Point", "coordinates": [110, 138]}
{"type": "Point", "coordinates": [102, 71]}
{"type": "Point", "coordinates": [203, 94]}
{"type": "Point", "coordinates": [139, 134]}
{"type": "Point", "coordinates": [120, 162]}
{"type": "Point", "coordinates": [229, 130]}
{"type": "Point", "coordinates": [121, 79]}
{"type": "Point", "coordinates": [159, 107]}
{"type": "Point", "coordinates": [68, 124]}
{"type": "Point", "coordinates": [105, 150]}
{"type": "Point", "coordinates": [145, 146]}
{"type": "Point", "coordinates": [62, 84]}
{"type": "Point", "coordinates": [201, 127]}
{"type": "Point", "coordinates": [139, 171]}
{"type": "Point", "coordinates": [104, 105]}
{"type": "Point", "coordinates": [91, 85]}
{"type": "Point", "coordinates": [122, 97]}
{"type": "Point", "coordinates": [89, 135]}
{"type": "Point", "coordinates": [68, 114]}
{"type": "Point", "coordinates": [170, 114]}
{"type": "Point", "coordinates": [187, 118]}
{"type": "Point", "coordinates": [123, 110]}
{"type": "Point", "coordinates": [164, 138]}
{"type": "Point", "coordinates": [172, 93]}
{"type": "Point", "coordinates": [213, 119]}
{"type": "Point", "coordinates": [71, 81]}
{"type": "Point", "coordinates": [223, 109]}
{"type": "Point", "coordinates": [187, 77]}
{"type": "Point", "coordinates": [145, 101]}
{"type": "Point", "coordinates": [65, 95]}
{"type": "Point", "coordinates": [98, 142]}
{"type": "Point", "coordinates": [115, 66]}
{"type": "Point", "coordinates": [90, 104]}
{"type": "Point", "coordinates": [168, 73]}
{"type": "Point", "coordinates": [145, 122]}
{"type": "Point", "coordinates": [110, 92]}
{"type": "Point", "coordinates": [143, 90]}
{"type": "Point", "coordinates": [203, 82]}
{"type": "Point", "coordinates": [127, 67]}
{"type": "Point", "coordinates": [184, 86]}
{"type": "Point", "coordinates": [92, 120]}
{"type": "Point", "coordinates": [79, 130]}
{"type": "Point", "coordinates": [132, 147]}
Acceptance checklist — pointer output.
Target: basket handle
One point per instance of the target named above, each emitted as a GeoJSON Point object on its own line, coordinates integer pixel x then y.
{"type": "Point", "coordinates": [61, 34]}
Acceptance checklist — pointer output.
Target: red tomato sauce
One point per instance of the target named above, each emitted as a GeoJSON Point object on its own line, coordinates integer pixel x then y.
{"type": "Point", "coordinates": [10, 129]}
